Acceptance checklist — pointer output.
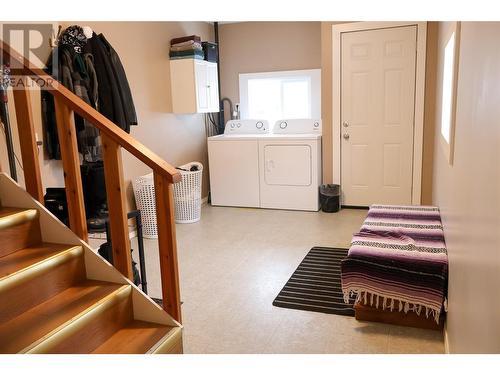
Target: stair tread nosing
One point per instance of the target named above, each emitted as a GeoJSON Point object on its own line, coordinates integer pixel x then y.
{"type": "Point", "coordinates": [5, 211]}
{"type": "Point", "coordinates": [19, 228]}
{"type": "Point", "coordinates": [136, 337]}
{"type": "Point", "coordinates": [25, 258]}
{"type": "Point", "coordinates": [13, 216]}
{"type": "Point", "coordinates": [22, 331]}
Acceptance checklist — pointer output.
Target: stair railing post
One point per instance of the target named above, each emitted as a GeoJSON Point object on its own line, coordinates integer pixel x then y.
{"type": "Point", "coordinates": [27, 140]}
{"type": "Point", "coordinates": [167, 246]}
{"type": "Point", "coordinates": [66, 132]}
{"type": "Point", "coordinates": [117, 206]}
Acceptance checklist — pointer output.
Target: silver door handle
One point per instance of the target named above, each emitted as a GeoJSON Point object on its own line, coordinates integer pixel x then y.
{"type": "Point", "coordinates": [345, 124]}
{"type": "Point", "coordinates": [346, 136]}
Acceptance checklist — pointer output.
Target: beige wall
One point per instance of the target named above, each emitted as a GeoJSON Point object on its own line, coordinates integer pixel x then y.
{"type": "Point", "coordinates": [429, 112]}
{"type": "Point", "coordinates": [326, 99]}
{"type": "Point", "coordinates": [143, 49]}
{"type": "Point", "coordinates": [468, 192]}
{"type": "Point", "coordinates": [251, 47]}
{"type": "Point", "coordinates": [306, 45]}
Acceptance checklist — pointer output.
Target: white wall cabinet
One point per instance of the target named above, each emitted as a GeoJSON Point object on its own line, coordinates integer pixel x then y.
{"type": "Point", "coordinates": [194, 86]}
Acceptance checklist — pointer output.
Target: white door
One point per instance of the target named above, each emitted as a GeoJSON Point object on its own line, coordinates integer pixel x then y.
{"type": "Point", "coordinates": [377, 115]}
{"type": "Point", "coordinates": [202, 94]}
{"type": "Point", "coordinates": [213, 89]}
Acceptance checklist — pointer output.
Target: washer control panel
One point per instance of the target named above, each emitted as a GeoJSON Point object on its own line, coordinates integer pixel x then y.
{"type": "Point", "coordinates": [298, 126]}
{"type": "Point", "coordinates": [247, 127]}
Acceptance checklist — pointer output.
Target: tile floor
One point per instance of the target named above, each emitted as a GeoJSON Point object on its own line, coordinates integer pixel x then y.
{"type": "Point", "coordinates": [234, 262]}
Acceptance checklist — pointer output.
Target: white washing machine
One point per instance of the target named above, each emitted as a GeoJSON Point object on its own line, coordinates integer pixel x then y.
{"type": "Point", "coordinates": [233, 159]}
{"type": "Point", "coordinates": [290, 165]}
{"type": "Point", "coordinates": [253, 167]}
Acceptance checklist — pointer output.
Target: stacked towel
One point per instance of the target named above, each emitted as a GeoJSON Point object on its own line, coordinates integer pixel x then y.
{"type": "Point", "coordinates": [188, 47]}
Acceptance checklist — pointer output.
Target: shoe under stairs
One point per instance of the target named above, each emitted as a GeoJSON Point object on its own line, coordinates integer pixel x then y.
{"type": "Point", "coordinates": [58, 296]}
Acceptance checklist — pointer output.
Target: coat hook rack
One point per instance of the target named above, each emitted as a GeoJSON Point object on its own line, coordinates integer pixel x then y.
{"type": "Point", "coordinates": [55, 38]}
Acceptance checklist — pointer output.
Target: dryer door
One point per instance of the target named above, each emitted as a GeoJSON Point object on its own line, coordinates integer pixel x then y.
{"type": "Point", "coordinates": [289, 173]}
{"type": "Point", "coordinates": [287, 165]}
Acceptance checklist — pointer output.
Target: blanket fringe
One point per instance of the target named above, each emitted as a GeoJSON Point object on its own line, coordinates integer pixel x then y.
{"type": "Point", "coordinates": [391, 303]}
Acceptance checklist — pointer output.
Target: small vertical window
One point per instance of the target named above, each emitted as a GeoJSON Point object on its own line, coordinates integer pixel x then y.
{"type": "Point", "coordinates": [446, 102]}
{"type": "Point", "coordinates": [450, 53]}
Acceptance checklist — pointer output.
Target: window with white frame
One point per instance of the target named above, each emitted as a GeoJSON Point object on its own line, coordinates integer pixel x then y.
{"type": "Point", "coordinates": [447, 96]}
{"type": "Point", "coordinates": [281, 95]}
{"type": "Point", "coordinates": [450, 50]}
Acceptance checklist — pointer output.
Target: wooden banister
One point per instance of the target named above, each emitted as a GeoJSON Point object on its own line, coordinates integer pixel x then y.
{"type": "Point", "coordinates": [22, 66]}
{"type": "Point", "coordinates": [113, 140]}
{"type": "Point", "coordinates": [29, 149]}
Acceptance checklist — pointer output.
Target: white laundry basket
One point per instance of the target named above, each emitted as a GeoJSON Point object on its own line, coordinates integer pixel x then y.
{"type": "Point", "coordinates": [187, 194]}
{"type": "Point", "coordinates": [187, 197]}
{"type": "Point", "coordinates": [144, 192]}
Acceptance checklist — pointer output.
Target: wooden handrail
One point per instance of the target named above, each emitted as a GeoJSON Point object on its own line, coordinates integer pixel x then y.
{"type": "Point", "coordinates": [113, 139]}
{"type": "Point", "coordinates": [24, 67]}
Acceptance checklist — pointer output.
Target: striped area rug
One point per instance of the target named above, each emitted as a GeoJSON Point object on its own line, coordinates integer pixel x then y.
{"type": "Point", "coordinates": [315, 284]}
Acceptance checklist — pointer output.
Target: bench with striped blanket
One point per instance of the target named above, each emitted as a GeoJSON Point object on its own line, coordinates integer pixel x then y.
{"type": "Point", "coordinates": [398, 260]}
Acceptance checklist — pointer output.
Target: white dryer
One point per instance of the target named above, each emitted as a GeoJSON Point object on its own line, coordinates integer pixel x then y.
{"type": "Point", "coordinates": [233, 159]}
{"type": "Point", "coordinates": [290, 165]}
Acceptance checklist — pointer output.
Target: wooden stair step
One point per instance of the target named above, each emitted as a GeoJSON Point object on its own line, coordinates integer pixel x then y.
{"type": "Point", "coordinates": [19, 228]}
{"type": "Point", "coordinates": [136, 337]}
{"type": "Point", "coordinates": [24, 259]}
{"type": "Point", "coordinates": [28, 279]}
{"type": "Point", "coordinates": [50, 317]}
{"type": "Point", "coordinates": [87, 331]}
{"type": "Point", "coordinates": [13, 216]}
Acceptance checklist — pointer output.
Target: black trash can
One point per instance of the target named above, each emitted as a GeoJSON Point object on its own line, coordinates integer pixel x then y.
{"type": "Point", "coordinates": [329, 196]}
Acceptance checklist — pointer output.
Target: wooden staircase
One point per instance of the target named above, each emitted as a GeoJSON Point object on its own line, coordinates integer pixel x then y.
{"type": "Point", "coordinates": [50, 303]}
{"type": "Point", "coordinates": [56, 294]}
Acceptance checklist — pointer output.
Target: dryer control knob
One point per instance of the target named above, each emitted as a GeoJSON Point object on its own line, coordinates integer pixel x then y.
{"type": "Point", "coordinates": [238, 124]}
{"type": "Point", "coordinates": [232, 125]}
{"type": "Point", "coordinates": [316, 124]}
{"type": "Point", "coordinates": [259, 124]}
{"type": "Point", "coordinates": [283, 125]}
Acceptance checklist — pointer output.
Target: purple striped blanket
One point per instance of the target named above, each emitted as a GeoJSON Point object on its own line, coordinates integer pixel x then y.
{"type": "Point", "coordinates": [398, 260]}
